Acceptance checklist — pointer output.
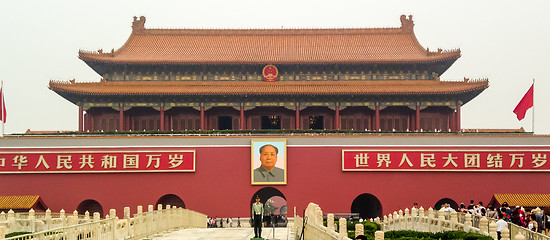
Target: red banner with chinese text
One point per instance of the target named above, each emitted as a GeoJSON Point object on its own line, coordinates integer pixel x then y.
{"type": "Point", "coordinates": [446, 159]}
{"type": "Point", "coordinates": [96, 160]}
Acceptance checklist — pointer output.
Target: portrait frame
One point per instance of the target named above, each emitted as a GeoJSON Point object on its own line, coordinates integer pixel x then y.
{"type": "Point", "coordinates": [257, 174]}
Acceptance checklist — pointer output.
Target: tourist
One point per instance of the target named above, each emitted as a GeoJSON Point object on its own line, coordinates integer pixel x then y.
{"type": "Point", "coordinates": [507, 209]}
{"type": "Point", "coordinates": [532, 225]}
{"type": "Point", "coordinates": [491, 212]}
{"type": "Point", "coordinates": [462, 208]}
{"type": "Point", "coordinates": [229, 222]}
{"type": "Point", "coordinates": [415, 211]}
{"type": "Point", "coordinates": [238, 221]}
{"type": "Point", "coordinates": [500, 224]}
{"type": "Point", "coordinates": [539, 219]}
{"type": "Point", "coordinates": [361, 237]}
{"type": "Point", "coordinates": [472, 207]}
{"type": "Point", "coordinates": [480, 209]}
{"type": "Point", "coordinates": [547, 220]}
{"type": "Point", "coordinates": [517, 217]}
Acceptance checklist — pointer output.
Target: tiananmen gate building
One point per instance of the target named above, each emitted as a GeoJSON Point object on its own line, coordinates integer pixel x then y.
{"type": "Point", "coordinates": [377, 79]}
{"type": "Point", "coordinates": [403, 141]}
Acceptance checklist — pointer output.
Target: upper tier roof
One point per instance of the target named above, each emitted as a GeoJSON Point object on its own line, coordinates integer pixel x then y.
{"type": "Point", "coordinates": [270, 46]}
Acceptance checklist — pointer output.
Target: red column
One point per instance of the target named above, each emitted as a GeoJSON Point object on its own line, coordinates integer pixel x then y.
{"type": "Point", "coordinates": [417, 124]}
{"type": "Point", "coordinates": [297, 117]}
{"type": "Point", "coordinates": [458, 128]}
{"type": "Point", "coordinates": [80, 119]}
{"type": "Point", "coordinates": [202, 118]}
{"type": "Point", "coordinates": [242, 117]}
{"type": "Point", "coordinates": [121, 119]}
{"type": "Point", "coordinates": [162, 118]}
{"type": "Point", "coordinates": [377, 118]}
{"type": "Point", "coordinates": [337, 118]}
{"type": "Point", "coordinates": [86, 122]}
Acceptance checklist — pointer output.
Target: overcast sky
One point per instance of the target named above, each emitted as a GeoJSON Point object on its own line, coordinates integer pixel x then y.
{"type": "Point", "coordinates": [504, 41]}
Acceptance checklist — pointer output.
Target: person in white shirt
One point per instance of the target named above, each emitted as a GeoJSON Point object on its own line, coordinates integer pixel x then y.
{"type": "Point", "coordinates": [500, 225]}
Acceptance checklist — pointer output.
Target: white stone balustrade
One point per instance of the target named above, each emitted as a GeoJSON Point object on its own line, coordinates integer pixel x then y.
{"type": "Point", "coordinates": [439, 221]}
{"type": "Point", "coordinates": [141, 225]}
{"type": "Point", "coordinates": [314, 229]}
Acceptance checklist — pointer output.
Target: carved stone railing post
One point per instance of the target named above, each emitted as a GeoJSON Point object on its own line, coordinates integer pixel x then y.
{"type": "Point", "coordinates": [454, 220]}
{"type": "Point", "coordinates": [359, 229]}
{"type": "Point", "coordinates": [31, 220]}
{"type": "Point", "coordinates": [441, 220]}
{"type": "Point", "coordinates": [384, 226]}
{"type": "Point", "coordinates": [318, 216]}
{"type": "Point", "coordinates": [330, 222]}
{"type": "Point", "coordinates": [504, 233]}
{"type": "Point", "coordinates": [127, 219]}
{"type": "Point", "coordinates": [48, 218]}
{"type": "Point", "coordinates": [429, 220]}
{"type": "Point", "coordinates": [519, 236]}
{"type": "Point", "coordinates": [493, 230]}
{"type": "Point", "coordinates": [2, 232]}
{"type": "Point", "coordinates": [87, 216]}
{"type": "Point", "coordinates": [150, 219]}
{"type": "Point", "coordinates": [71, 221]}
{"type": "Point", "coordinates": [379, 235]}
{"type": "Point", "coordinates": [343, 227]}
{"type": "Point", "coordinates": [96, 229]}
{"type": "Point", "coordinates": [484, 226]}
{"type": "Point", "coordinates": [160, 216]}
{"type": "Point", "coordinates": [63, 218]}
{"type": "Point", "coordinates": [408, 219]}
{"type": "Point", "coordinates": [390, 223]}
{"type": "Point", "coordinates": [467, 222]}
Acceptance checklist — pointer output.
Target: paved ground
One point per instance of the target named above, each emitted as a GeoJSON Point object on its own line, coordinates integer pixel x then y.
{"type": "Point", "coordinates": [224, 233]}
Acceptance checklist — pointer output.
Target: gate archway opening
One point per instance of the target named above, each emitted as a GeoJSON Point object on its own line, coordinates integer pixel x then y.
{"type": "Point", "coordinates": [170, 199]}
{"type": "Point", "coordinates": [442, 201]}
{"type": "Point", "coordinates": [367, 206]}
{"type": "Point", "coordinates": [275, 206]}
{"type": "Point", "coordinates": [91, 206]}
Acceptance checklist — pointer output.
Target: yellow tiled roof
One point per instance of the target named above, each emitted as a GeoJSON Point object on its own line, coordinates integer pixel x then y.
{"type": "Point", "coordinates": [275, 46]}
{"type": "Point", "coordinates": [527, 200]}
{"type": "Point", "coordinates": [18, 202]}
{"type": "Point", "coordinates": [260, 87]}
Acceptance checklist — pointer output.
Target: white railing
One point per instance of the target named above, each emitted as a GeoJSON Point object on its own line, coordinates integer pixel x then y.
{"type": "Point", "coordinates": [432, 221]}
{"type": "Point", "coordinates": [314, 229]}
{"type": "Point", "coordinates": [440, 221]}
{"type": "Point", "coordinates": [36, 221]}
{"type": "Point", "coordinates": [141, 225]}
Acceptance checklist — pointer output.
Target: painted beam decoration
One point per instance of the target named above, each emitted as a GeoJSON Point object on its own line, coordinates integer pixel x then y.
{"type": "Point", "coordinates": [96, 160]}
{"type": "Point", "coordinates": [452, 159]}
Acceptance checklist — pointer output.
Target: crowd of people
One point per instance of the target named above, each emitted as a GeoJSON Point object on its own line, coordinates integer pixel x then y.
{"type": "Point", "coordinates": [536, 220]}
{"type": "Point", "coordinates": [216, 222]}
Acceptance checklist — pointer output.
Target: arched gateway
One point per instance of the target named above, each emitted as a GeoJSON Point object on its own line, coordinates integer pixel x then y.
{"type": "Point", "coordinates": [275, 205]}
{"type": "Point", "coordinates": [91, 206]}
{"type": "Point", "coordinates": [172, 200]}
{"type": "Point", "coordinates": [367, 205]}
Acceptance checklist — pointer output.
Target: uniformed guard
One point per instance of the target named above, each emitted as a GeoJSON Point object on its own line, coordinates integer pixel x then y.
{"type": "Point", "coordinates": [257, 213]}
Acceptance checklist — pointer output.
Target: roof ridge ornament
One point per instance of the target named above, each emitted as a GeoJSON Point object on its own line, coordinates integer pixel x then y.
{"type": "Point", "coordinates": [407, 24]}
{"type": "Point", "coordinates": [138, 25]}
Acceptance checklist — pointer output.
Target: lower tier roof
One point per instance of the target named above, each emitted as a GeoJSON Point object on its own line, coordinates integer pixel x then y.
{"type": "Point", "coordinates": [259, 88]}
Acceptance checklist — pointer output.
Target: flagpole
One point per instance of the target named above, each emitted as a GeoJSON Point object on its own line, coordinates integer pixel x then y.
{"type": "Point", "coordinates": [533, 124]}
{"type": "Point", "coordinates": [2, 109]}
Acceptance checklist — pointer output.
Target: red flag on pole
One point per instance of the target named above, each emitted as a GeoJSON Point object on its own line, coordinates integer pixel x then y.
{"type": "Point", "coordinates": [2, 106]}
{"type": "Point", "coordinates": [525, 103]}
